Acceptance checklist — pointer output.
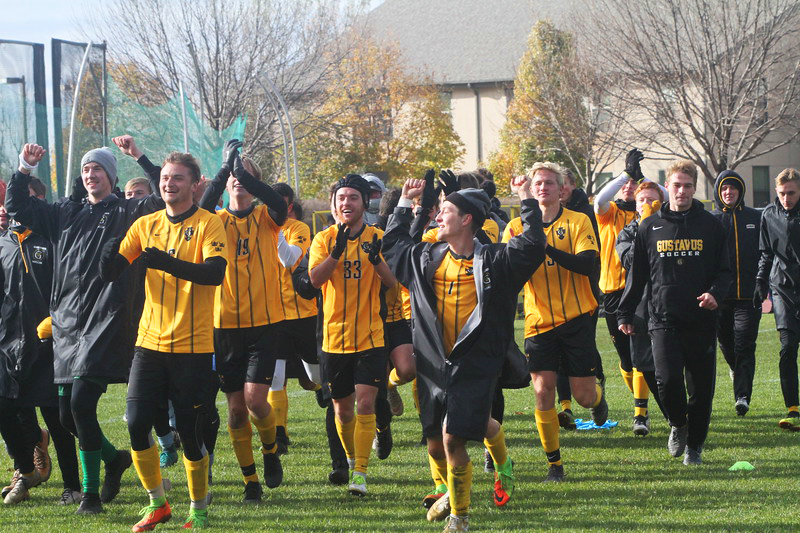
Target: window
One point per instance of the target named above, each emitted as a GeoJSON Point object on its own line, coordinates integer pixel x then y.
{"type": "Point", "coordinates": [762, 190]}
{"type": "Point", "coordinates": [601, 179]}
{"type": "Point", "coordinates": [662, 176]}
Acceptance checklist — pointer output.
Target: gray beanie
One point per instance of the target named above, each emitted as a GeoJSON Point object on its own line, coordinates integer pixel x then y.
{"type": "Point", "coordinates": [106, 159]}
{"type": "Point", "coordinates": [473, 201]}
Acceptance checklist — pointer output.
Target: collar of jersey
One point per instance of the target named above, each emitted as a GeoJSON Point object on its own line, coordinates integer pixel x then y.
{"type": "Point", "coordinates": [240, 214]}
{"type": "Point", "coordinates": [548, 224]}
{"type": "Point", "coordinates": [183, 216]}
{"type": "Point", "coordinates": [460, 257]}
{"type": "Point", "coordinates": [357, 235]}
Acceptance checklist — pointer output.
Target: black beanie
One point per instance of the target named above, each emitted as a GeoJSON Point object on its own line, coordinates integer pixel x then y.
{"type": "Point", "coordinates": [489, 188]}
{"type": "Point", "coordinates": [354, 181]}
{"type": "Point", "coordinates": [472, 201]}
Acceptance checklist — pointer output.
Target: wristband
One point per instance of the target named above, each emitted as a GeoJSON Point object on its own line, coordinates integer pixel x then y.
{"type": "Point", "coordinates": [24, 164]}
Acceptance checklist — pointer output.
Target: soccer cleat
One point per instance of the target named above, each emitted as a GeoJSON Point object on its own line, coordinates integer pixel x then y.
{"type": "Point", "coordinates": [198, 519]}
{"type": "Point", "coordinates": [114, 471]}
{"type": "Point", "coordinates": [600, 413]}
{"type": "Point", "coordinates": [677, 440]}
{"type": "Point", "coordinates": [41, 457]}
{"type": "Point", "coordinates": [383, 443]}
{"type": "Point", "coordinates": [395, 401]}
{"type": "Point", "coordinates": [19, 493]}
{"type": "Point", "coordinates": [14, 478]}
{"type": "Point", "coordinates": [488, 462]}
{"type": "Point", "coordinates": [433, 496]}
{"type": "Point", "coordinates": [253, 492]}
{"type": "Point", "coordinates": [358, 484]}
{"type": "Point", "coordinates": [503, 483]}
{"type": "Point", "coordinates": [169, 456]}
{"type": "Point", "coordinates": [321, 401]}
{"type": "Point", "coordinates": [555, 474]}
{"type": "Point", "coordinates": [791, 422]}
{"type": "Point", "coordinates": [641, 425]}
{"type": "Point", "coordinates": [440, 509]}
{"type": "Point", "coordinates": [281, 440]}
{"type": "Point", "coordinates": [456, 523]}
{"type": "Point", "coordinates": [70, 497]}
{"type": "Point", "coordinates": [567, 420]}
{"type": "Point", "coordinates": [338, 476]}
{"type": "Point", "coordinates": [741, 406]}
{"type": "Point", "coordinates": [152, 515]}
{"type": "Point", "coordinates": [273, 471]}
{"type": "Point", "coordinates": [693, 456]}
{"type": "Point", "coordinates": [90, 504]}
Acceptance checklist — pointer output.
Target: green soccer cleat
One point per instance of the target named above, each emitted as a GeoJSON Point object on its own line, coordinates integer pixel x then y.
{"type": "Point", "coordinates": [791, 422]}
{"type": "Point", "coordinates": [503, 482]}
{"type": "Point", "coordinates": [433, 496]}
{"type": "Point", "coordinates": [152, 515]}
{"type": "Point", "coordinates": [198, 519]}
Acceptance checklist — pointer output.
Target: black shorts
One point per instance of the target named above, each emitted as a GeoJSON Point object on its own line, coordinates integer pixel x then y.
{"type": "Point", "coordinates": [300, 339]}
{"type": "Point", "coordinates": [186, 379]}
{"type": "Point", "coordinates": [570, 348]}
{"type": "Point", "coordinates": [611, 302]}
{"type": "Point", "coordinates": [397, 333]}
{"type": "Point", "coordinates": [343, 371]}
{"type": "Point", "coordinates": [246, 355]}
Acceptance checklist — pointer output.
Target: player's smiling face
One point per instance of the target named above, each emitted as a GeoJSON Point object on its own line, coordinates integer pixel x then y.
{"type": "Point", "coordinates": [236, 190]}
{"type": "Point", "coordinates": [545, 187]}
{"type": "Point", "coordinates": [349, 205]}
{"type": "Point", "coordinates": [176, 184]}
{"type": "Point", "coordinates": [95, 180]}
{"type": "Point", "coordinates": [451, 222]}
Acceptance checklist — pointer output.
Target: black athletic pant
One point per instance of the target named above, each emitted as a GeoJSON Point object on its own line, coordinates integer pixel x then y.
{"type": "Point", "coordinates": [338, 457]}
{"type": "Point", "coordinates": [17, 439]}
{"type": "Point", "coordinates": [737, 330]}
{"type": "Point", "coordinates": [650, 379]}
{"type": "Point", "coordinates": [788, 366]}
{"type": "Point", "coordinates": [498, 404]}
{"type": "Point", "coordinates": [689, 351]}
{"type": "Point", "coordinates": [620, 340]}
{"type": "Point", "coordinates": [78, 413]}
{"type": "Point", "coordinates": [63, 442]}
{"type": "Point", "coordinates": [211, 420]}
{"type": "Point", "coordinates": [383, 412]}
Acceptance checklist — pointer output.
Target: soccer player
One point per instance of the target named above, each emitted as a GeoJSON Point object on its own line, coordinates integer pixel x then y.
{"type": "Point", "coordinates": [463, 296]}
{"type": "Point", "coordinates": [184, 250]}
{"type": "Point", "coordinates": [93, 333]}
{"type": "Point", "coordinates": [248, 312]}
{"type": "Point", "coordinates": [779, 271]}
{"type": "Point", "coordinates": [738, 319]}
{"type": "Point", "coordinates": [345, 262]}
{"type": "Point", "coordinates": [683, 253]}
{"type": "Point", "coordinates": [137, 188]}
{"type": "Point", "coordinates": [559, 304]}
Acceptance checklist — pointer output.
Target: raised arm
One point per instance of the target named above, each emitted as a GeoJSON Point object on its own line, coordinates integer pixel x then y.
{"type": "Point", "coordinates": [38, 215]}
{"type": "Point", "coordinates": [525, 252]}
{"type": "Point", "coordinates": [398, 244]}
{"type": "Point", "coordinates": [276, 205]}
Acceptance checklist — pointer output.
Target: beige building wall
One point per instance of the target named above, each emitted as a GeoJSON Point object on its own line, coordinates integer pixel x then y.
{"type": "Point", "coordinates": [464, 109]}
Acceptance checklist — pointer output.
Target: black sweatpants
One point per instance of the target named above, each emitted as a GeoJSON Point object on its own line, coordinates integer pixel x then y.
{"type": "Point", "coordinates": [737, 330]}
{"type": "Point", "coordinates": [78, 412]}
{"type": "Point", "coordinates": [686, 353]}
{"type": "Point", "coordinates": [621, 341]}
{"type": "Point", "coordinates": [16, 437]}
{"type": "Point", "coordinates": [788, 366]}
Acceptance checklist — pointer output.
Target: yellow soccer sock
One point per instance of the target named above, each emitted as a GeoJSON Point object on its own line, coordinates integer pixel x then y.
{"type": "Point", "coordinates": [415, 394]}
{"type": "Point", "coordinates": [497, 447]}
{"type": "Point", "coordinates": [794, 409]}
{"type": "Point", "coordinates": [364, 433]}
{"type": "Point", "coordinates": [566, 405]}
{"type": "Point", "coordinates": [242, 441]}
{"type": "Point", "coordinates": [459, 483]}
{"type": "Point", "coordinates": [346, 435]}
{"type": "Point", "coordinates": [395, 380]}
{"type": "Point", "coordinates": [438, 470]}
{"type": "Point", "coordinates": [279, 402]}
{"type": "Point", "coordinates": [148, 467]}
{"type": "Point", "coordinates": [599, 394]}
{"type": "Point", "coordinates": [627, 377]}
{"type": "Point", "coordinates": [547, 424]}
{"type": "Point", "coordinates": [641, 393]}
{"type": "Point", "coordinates": [197, 478]}
{"type": "Point", "coordinates": [266, 430]}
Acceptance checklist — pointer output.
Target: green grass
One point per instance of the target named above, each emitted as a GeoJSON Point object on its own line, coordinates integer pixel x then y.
{"type": "Point", "coordinates": [614, 482]}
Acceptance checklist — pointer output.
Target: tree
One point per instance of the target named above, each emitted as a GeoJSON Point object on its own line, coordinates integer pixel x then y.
{"type": "Point", "coordinates": [714, 82]}
{"type": "Point", "coordinates": [378, 116]}
{"type": "Point", "coordinates": [559, 112]}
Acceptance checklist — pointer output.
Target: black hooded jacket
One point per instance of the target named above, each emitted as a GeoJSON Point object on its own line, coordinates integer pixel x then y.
{"type": "Point", "coordinates": [683, 255]}
{"type": "Point", "coordinates": [780, 260]}
{"type": "Point", "coordinates": [94, 326]}
{"type": "Point", "coordinates": [742, 226]}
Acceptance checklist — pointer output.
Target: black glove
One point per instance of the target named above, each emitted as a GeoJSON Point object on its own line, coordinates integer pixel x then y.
{"type": "Point", "coordinates": [239, 171]}
{"type": "Point", "coordinates": [632, 163]}
{"type": "Point", "coordinates": [156, 259]}
{"type": "Point", "coordinates": [230, 152]}
{"type": "Point", "coordinates": [449, 181]}
{"type": "Point", "coordinates": [429, 192]}
{"type": "Point", "coordinates": [341, 241]}
{"type": "Point", "coordinates": [78, 190]}
{"type": "Point", "coordinates": [760, 294]}
{"type": "Point", "coordinates": [110, 250]}
{"type": "Point", "coordinates": [374, 250]}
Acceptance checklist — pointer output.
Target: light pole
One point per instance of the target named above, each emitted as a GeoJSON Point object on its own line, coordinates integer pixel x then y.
{"type": "Point", "coordinates": [21, 81]}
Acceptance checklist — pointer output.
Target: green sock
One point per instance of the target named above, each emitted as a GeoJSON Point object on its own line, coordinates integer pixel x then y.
{"type": "Point", "coordinates": [158, 502]}
{"type": "Point", "coordinates": [90, 464]}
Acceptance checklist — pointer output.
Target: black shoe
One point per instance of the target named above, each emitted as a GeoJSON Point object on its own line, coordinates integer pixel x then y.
{"type": "Point", "coordinates": [253, 492]}
{"type": "Point", "coordinates": [742, 406]}
{"type": "Point", "coordinates": [176, 438]}
{"type": "Point", "coordinates": [339, 476]}
{"type": "Point", "coordinates": [488, 462]}
{"type": "Point", "coordinates": [423, 441]}
{"type": "Point", "coordinates": [555, 474]}
{"type": "Point", "coordinates": [600, 413]}
{"type": "Point", "coordinates": [384, 443]}
{"type": "Point", "coordinates": [641, 425]}
{"type": "Point", "coordinates": [273, 471]}
{"type": "Point", "coordinates": [321, 401]}
{"type": "Point", "coordinates": [281, 440]}
{"type": "Point", "coordinates": [114, 471]}
{"type": "Point", "coordinates": [90, 504]}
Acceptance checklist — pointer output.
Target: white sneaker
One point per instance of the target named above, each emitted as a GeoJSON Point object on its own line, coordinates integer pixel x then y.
{"type": "Point", "coordinates": [358, 484]}
{"type": "Point", "coordinates": [441, 509]}
{"type": "Point", "coordinates": [457, 523]}
{"type": "Point", "coordinates": [20, 492]}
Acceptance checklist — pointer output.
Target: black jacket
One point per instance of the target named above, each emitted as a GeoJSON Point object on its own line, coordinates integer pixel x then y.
{"type": "Point", "coordinates": [742, 226]}
{"type": "Point", "coordinates": [780, 260]}
{"type": "Point", "coordinates": [501, 271]}
{"type": "Point", "coordinates": [26, 274]}
{"type": "Point", "coordinates": [94, 327]}
{"type": "Point", "coordinates": [683, 255]}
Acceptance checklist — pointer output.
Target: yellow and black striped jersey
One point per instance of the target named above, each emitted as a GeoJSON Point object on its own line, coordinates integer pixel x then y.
{"type": "Point", "coordinates": [296, 233]}
{"type": "Point", "coordinates": [456, 296]}
{"type": "Point", "coordinates": [177, 313]}
{"type": "Point", "coordinates": [609, 224]}
{"type": "Point", "coordinates": [351, 297]}
{"type": "Point", "coordinates": [395, 298]}
{"type": "Point", "coordinates": [490, 227]}
{"type": "Point", "coordinates": [250, 296]}
{"type": "Point", "coordinates": [554, 294]}
{"type": "Point", "coordinates": [406, 302]}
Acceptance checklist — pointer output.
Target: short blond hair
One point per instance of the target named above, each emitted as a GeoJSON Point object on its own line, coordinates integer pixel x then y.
{"type": "Point", "coordinates": [787, 175]}
{"type": "Point", "coordinates": [133, 182]}
{"type": "Point", "coordinates": [252, 167]}
{"type": "Point", "coordinates": [686, 166]}
{"type": "Point", "coordinates": [555, 168]}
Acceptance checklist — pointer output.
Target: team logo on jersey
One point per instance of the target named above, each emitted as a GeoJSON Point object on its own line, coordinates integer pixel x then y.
{"type": "Point", "coordinates": [468, 271]}
{"type": "Point", "coordinates": [187, 233]}
{"type": "Point", "coordinates": [103, 220]}
{"type": "Point", "coordinates": [561, 232]}
{"type": "Point", "coordinates": [39, 254]}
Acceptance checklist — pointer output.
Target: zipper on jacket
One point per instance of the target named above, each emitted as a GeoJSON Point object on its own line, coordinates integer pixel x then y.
{"type": "Point", "coordinates": [736, 240]}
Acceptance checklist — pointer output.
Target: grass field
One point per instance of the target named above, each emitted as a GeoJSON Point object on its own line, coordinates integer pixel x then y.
{"type": "Point", "coordinates": [614, 481]}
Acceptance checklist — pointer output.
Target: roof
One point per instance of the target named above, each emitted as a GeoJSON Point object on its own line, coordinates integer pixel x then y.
{"type": "Point", "coordinates": [460, 41]}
